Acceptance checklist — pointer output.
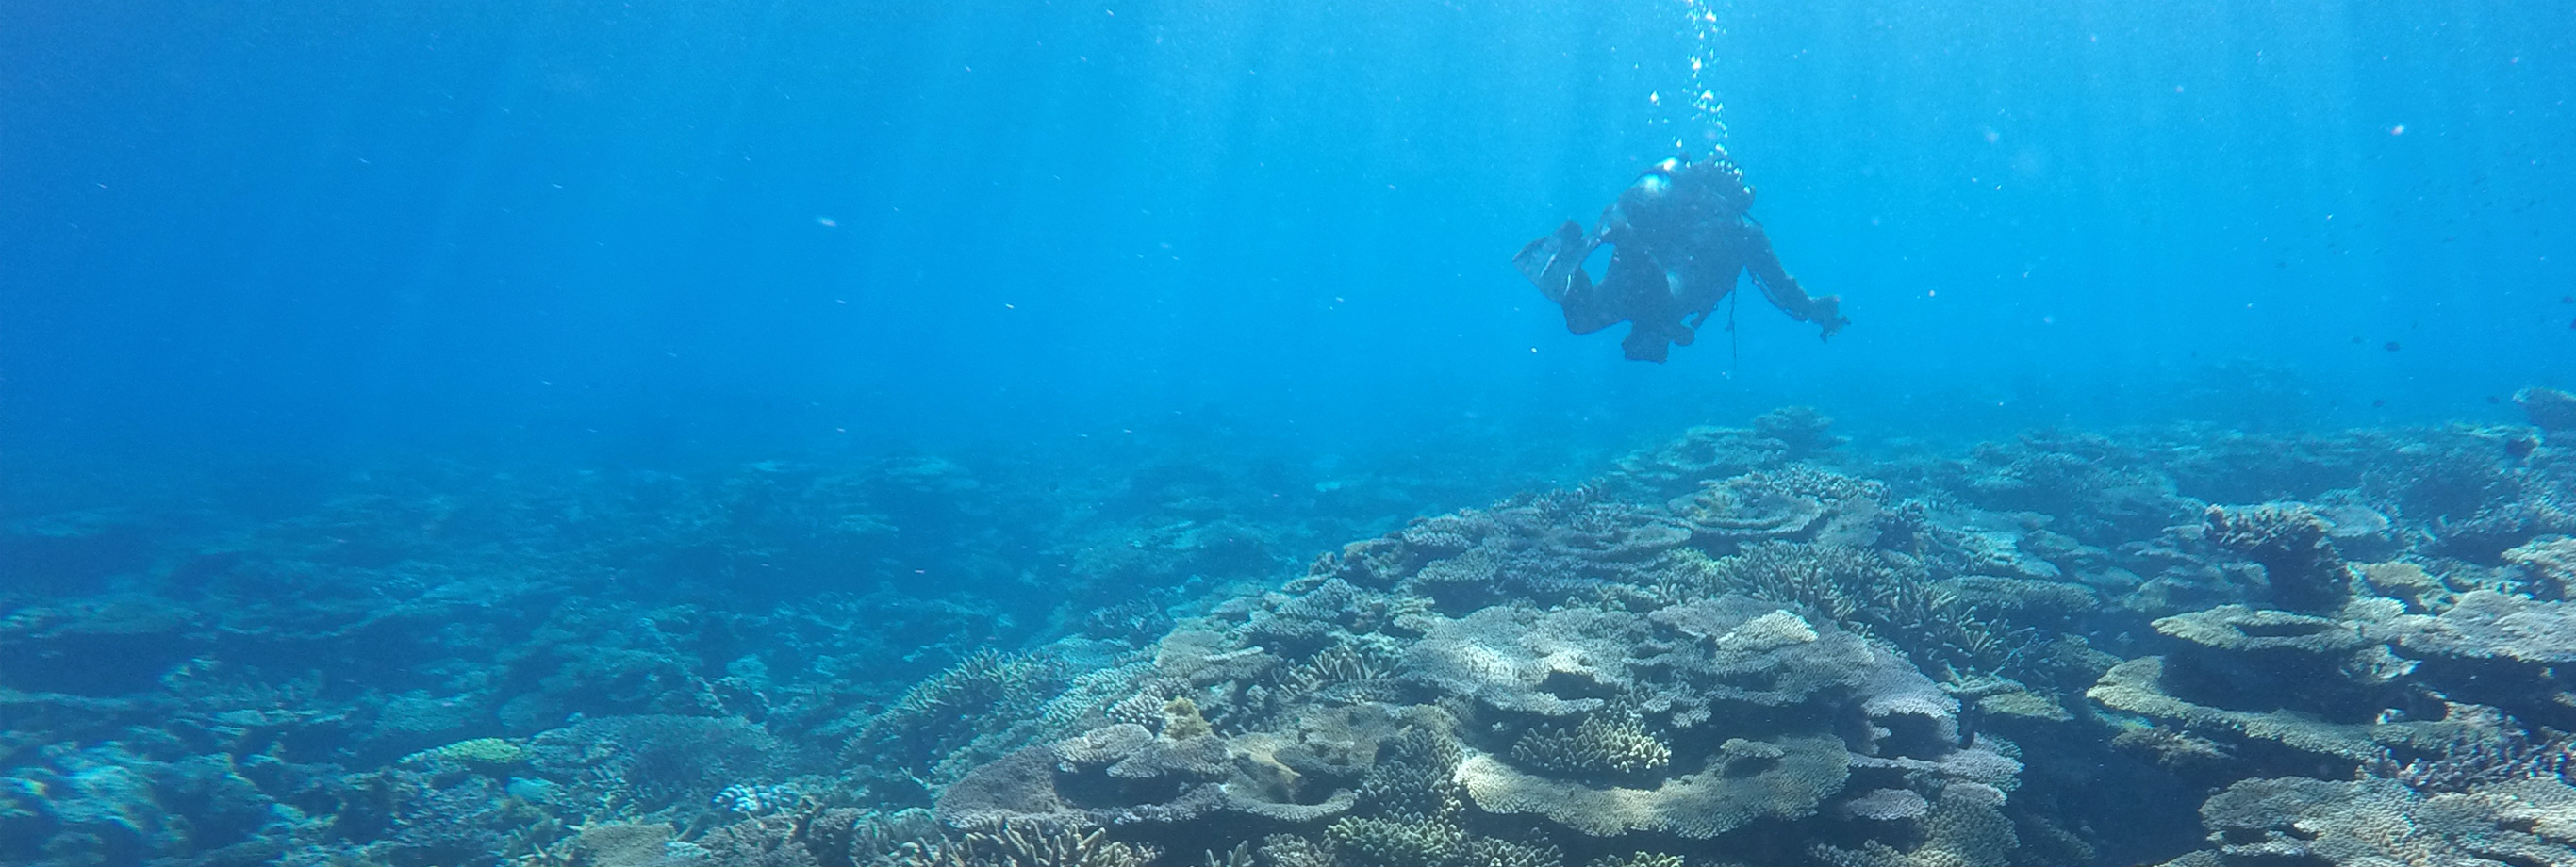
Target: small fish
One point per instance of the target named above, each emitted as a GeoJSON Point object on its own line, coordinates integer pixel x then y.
{"type": "Point", "coordinates": [2390, 346]}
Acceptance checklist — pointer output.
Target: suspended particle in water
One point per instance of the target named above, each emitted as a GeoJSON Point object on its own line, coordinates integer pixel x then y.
{"type": "Point", "coordinates": [2390, 346]}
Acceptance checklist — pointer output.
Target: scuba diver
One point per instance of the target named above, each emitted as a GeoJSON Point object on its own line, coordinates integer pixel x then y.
{"type": "Point", "coordinates": [1678, 236]}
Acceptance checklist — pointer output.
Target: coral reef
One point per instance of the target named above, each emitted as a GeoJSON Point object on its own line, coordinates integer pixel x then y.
{"type": "Point", "coordinates": [2372, 822]}
{"type": "Point", "coordinates": [1766, 646]}
{"type": "Point", "coordinates": [2550, 410]}
{"type": "Point", "coordinates": [2300, 566]}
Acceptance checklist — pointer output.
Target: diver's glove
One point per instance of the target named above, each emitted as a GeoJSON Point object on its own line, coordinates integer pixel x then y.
{"type": "Point", "coordinates": [1827, 311]}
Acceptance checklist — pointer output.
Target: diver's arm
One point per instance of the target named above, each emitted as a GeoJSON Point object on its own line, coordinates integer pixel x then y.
{"type": "Point", "coordinates": [1783, 290]}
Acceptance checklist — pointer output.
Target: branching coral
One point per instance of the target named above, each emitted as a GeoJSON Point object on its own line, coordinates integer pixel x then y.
{"type": "Point", "coordinates": [1030, 845]}
{"type": "Point", "coordinates": [1606, 745]}
{"type": "Point", "coordinates": [2459, 766]}
{"type": "Point", "coordinates": [1384, 842]}
{"type": "Point", "coordinates": [1344, 672]}
{"type": "Point", "coordinates": [1413, 778]}
{"type": "Point", "coordinates": [647, 763]}
{"type": "Point", "coordinates": [2289, 541]}
{"type": "Point", "coordinates": [1872, 591]}
{"type": "Point", "coordinates": [920, 737]}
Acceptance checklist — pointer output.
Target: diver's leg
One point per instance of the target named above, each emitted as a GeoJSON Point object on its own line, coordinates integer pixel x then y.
{"type": "Point", "coordinates": [1555, 265]}
{"type": "Point", "coordinates": [1646, 295]}
{"type": "Point", "coordinates": [1597, 306]}
{"type": "Point", "coordinates": [1645, 343]}
{"type": "Point", "coordinates": [1585, 311]}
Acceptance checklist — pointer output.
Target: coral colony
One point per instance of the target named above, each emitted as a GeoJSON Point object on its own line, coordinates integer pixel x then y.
{"type": "Point", "coordinates": [1749, 647]}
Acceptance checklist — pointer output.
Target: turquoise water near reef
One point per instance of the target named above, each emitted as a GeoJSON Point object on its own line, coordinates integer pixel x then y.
{"type": "Point", "coordinates": [654, 355]}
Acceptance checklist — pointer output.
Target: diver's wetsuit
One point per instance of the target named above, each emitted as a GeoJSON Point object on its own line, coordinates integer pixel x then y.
{"type": "Point", "coordinates": [1678, 237]}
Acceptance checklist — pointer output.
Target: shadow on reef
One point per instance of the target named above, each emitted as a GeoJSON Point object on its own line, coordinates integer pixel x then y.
{"type": "Point", "coordinates": [1748, 647]}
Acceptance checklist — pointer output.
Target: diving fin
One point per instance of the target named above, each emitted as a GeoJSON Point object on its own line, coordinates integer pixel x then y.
{"type": "Point", "coordinates": [1555, 263]}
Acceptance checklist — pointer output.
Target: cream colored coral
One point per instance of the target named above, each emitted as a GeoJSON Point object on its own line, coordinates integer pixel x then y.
{"type": "Point", "coordinates": [1698, 806]}
{"type": "Point", "coordinates": [1771, 631]}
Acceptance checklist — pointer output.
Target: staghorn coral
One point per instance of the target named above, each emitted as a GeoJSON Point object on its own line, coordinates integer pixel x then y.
{"type": "Point", "coordinates": [1382, 842]}
{"type": "Point", "coordinates": [1290, 850]}
{"type": "Point", "coordinates": [1602, 746]}
{"type": "Point", "coordinates": [1239, 856]}
{"type": "Point", "coordinates": [1494, 852]}
{"type": "Point", "coordinates": [929, 735]}
{"type": "Point", "coordinates": [1030, 845]}
{"type": "Point", "coordinates": [1638, 859]}
{"type": "Point", "coordinates": [2461, 766]}
{"type": "Point", "coordinates": [644, 764]}
{"type": "Point", "coordinates": [1877, 592]}
{"type": "Point", "coordinates": [1414, 777]}
{"type": "Point", "coordinates": [1348, 671]}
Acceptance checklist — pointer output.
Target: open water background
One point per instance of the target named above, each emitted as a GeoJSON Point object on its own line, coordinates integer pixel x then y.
{"type": "Point", "coordinates": [595, 231]}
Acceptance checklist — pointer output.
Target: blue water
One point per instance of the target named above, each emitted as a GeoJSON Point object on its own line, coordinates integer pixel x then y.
{"type": "Point", "coordinates": [608, 227]}
{"type": "Point", "coordinates": [1056, 281]}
